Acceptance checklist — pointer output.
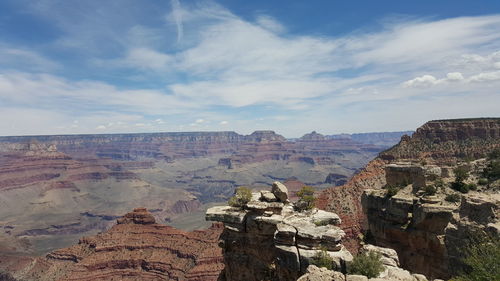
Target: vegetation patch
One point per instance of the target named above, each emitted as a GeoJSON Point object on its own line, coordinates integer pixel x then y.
{"type": "Point", "coordinates": [391, 190]}
{"type": "Point", "coordinates": [323, 259]}
{"type": "Point", "coordinates": [367, 264]}
{"type": "Point", "coordinates": [454, 198]}
{"type": "Point", "coordinates": [242, 196]}
{"type": "Point", "coordinates": [430, 190]}
{"type": "Point", "coordinates": [481, 259]}
{"type": "Point", "coordinates": [306, 198]}
{"type": "Point", "coordinates": [461, 174]}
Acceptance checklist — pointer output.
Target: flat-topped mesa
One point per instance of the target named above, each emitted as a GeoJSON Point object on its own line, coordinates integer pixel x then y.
{"type": "Point", "coordinates": [138, 216]}
{"type": "Point", "coordinates": [440, 140]}
{"type": "Point", "coordinates": [264, 135]}
{"type": "Point", "coordinates": [268, 238]}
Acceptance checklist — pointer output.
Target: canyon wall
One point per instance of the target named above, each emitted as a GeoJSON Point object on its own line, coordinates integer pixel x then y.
{"type": "Point", "coordinates": [54, 189]}
{"type": "Point", "coordinates": [428, 232]}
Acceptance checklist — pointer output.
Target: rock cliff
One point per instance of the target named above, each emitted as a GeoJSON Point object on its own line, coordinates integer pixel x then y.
{"type": "Point", "coordinates": [136, 248]}
{"type": "Point", "coordinates": [427, 231]}
{"type": "Point", "coordinates": [269, 238]}
{"type": "Point", "coordinates": [266, 239]}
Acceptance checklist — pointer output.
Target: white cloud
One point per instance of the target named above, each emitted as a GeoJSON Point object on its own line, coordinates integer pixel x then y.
{"type": "Point", "coordinates": [429, 80]}
{"type": "Point", "coordinates": [237, 67]}
{"type": "Point", "coordinates": [101, 127]}
{"type": "Point", "coordinates": [423, 81]}
{"type": "Point", "coordinates": [223, 122]}
{"type": "Point", "coordinates": [486, 77]}
{"type": "Point", "coordinates": [454, 76]}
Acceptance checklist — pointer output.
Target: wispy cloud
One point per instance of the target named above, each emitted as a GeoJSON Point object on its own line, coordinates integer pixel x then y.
{"type": "Point", "coordinates": [177, 14]}
{"type": "Point", "coordinates": [249, 71]}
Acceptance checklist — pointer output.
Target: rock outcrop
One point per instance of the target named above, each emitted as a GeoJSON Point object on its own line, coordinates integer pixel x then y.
{"type": "Point", "coordinates": [272, 241]}
{"type": "Point", "coordinates": [427, 232]}
{"type": "Point", "coordinates": [134, 249]}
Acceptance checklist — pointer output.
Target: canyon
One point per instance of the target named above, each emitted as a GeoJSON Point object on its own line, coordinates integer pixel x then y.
{"type": "Point", "coordinates": [55, 189]}
{"type": "Point", "coordinates": [417, 230]}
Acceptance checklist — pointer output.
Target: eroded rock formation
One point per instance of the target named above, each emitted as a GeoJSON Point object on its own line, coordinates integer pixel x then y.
{"type": "Point", "coordinates": [427, 231]}
{"type": "Point", "coordinates": [134, 249]}
{"type": "Point", "coordinates": [267, 239]}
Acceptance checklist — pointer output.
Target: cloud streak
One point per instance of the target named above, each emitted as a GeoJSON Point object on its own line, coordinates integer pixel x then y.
{"type": "Point", "coordinates": [177, 14]}
{"type": "Point", "coordinates": [245, 74]}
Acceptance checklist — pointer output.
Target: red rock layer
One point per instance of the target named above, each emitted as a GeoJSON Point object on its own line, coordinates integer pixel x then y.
{"type": "Point", "coordinates": [346, 201]}
{"type": "Point", "coordinates": [135, 249]}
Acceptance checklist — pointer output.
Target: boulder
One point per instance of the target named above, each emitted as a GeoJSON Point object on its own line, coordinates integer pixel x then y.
{"type": "Point", "coordinates": [280, 191]}
{"type": "Point", "coordinates": [314, 273]}
{"type": "Point", "coordinates": [267, 196]}
{"type": "Point", "coordinates": [389, 256]}
{"type": "Point", "coordinates": [320, 217]}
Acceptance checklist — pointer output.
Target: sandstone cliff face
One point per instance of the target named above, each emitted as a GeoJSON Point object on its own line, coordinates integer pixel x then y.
{"type": "Point", "coordinates": [445, 140]}
{"type": "Point", "coordinates": [135, 249]}
{"type": "Point", "coordinates": [427, 231]}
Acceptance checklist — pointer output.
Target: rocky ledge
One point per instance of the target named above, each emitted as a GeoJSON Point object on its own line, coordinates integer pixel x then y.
{"type": "Point", "coordinates": [269, 239]}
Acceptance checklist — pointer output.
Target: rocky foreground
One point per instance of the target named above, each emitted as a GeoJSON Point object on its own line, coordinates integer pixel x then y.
{"type": "Point", "coordinates": [269, 239]}
{"type": "Point", "coordinates": [136, 248]}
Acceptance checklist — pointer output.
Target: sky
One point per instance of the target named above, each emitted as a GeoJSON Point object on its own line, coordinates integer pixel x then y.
{"type": "Point", "coordinates": [127, 66]}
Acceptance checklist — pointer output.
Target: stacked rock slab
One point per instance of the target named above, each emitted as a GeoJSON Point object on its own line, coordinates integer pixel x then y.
{"type": "Point", "coordinates": [268, 240]}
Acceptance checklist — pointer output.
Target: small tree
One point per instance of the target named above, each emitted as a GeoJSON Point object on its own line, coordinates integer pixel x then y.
{"type": "Point", "coordinates": [454, 198]}
{"type": "Point", "coordinates": [306, 198]}
{"type": "Point", "coordinates": [430, 190]}
{"type": "Point", "coordinates": [367, 264]}
{"type": "Point", "coordinates": [461, 174]}
{"type": "Point", "coordinates": [242, 196]}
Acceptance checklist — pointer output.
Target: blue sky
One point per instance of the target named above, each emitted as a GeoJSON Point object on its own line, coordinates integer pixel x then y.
{"type": "Point", "coordinates": [291, 66]}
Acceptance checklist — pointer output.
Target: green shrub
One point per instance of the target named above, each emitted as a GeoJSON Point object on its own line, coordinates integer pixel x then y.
{"type": "Point", "coordinates": [461, 174]}
{"type": "Point", "coordinates": [323, 259]}
{"type": "Point", "coordinates": [242, 196]}
{"type": "Point", "coordinates": [368, 265]}
{"type": "Point", "coordinates": [430, 190]}
{"type": "Point", "coordinates": [306, 198]}
{"type": "Point", "coordinates": [492, 171]}
{"type": "Point", "coordinates": [472, 186]}
{"type": "Point", "coordinates": [494, 155]}
{"type": "Point", "coordinates": [455, 197]}
{"type": "Point", "coordinates": [391, 190]}
{"type": "Point", "coordinates": [482, 181]}
{"type": "Point", "coordinates": [481, 259]}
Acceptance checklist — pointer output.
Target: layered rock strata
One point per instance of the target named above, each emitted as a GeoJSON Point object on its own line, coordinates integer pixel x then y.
{"type": "Point", "coordinates": [137, 248]}
{"type": "Point", "coordinates": [267, 239]}
{"type": "Point", "coordinates": [425, 230]}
